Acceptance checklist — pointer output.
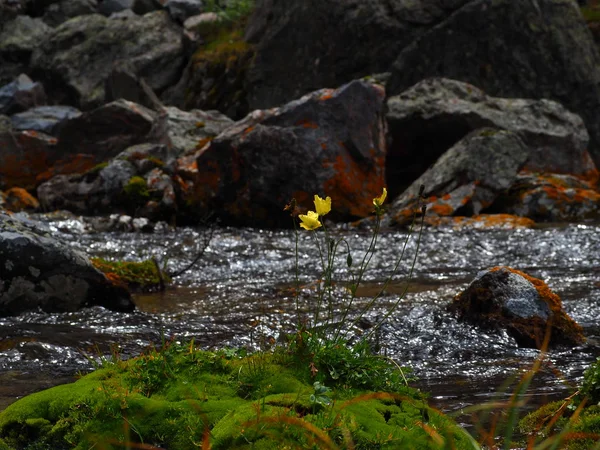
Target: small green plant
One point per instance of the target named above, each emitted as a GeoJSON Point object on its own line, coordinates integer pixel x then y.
{"type": "Point", "coordinates": [230, 10]}
{"type": "Point", "coordinates": [321, 395]}
{"type": "Point", "coordinates": [590, 388]}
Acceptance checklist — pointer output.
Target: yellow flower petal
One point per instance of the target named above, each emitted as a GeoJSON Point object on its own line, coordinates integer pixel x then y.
{"type": "Point", "coordinates": [378, 201]}
{"type": "Point", "coordinates": [310, 220]}
{"type": "Point", "coordinates": [322, 206]}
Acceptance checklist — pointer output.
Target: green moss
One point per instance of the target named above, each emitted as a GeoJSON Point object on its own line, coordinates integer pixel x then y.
{"type": "Point", "coordinates": [590, 14]}
{"type": "Point", "coordinates": [224, 49]}
{"type": "Point", "coordinates": [173, 396]}
{"type": "Point", "coordinates": [96, 169]}
{"type": "Point", "coordinates": [136, 191]}
{"type": "Point", "coordinates": [137, 276]}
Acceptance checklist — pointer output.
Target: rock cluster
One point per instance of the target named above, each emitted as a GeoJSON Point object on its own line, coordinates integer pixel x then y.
{"type": "Point", "coordinates": [148, 109]}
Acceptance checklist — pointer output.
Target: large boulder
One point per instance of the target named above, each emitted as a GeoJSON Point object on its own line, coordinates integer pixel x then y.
{"type": "Point", "coordinates": [76, 59]}
{"type": "Point", "coordinates": [106, 131]}
{"type": "Point", "coordinates": [330, 43]}
{"type": "Point", "coordinates": [527, 49]}
{"type": "Point", "coordinates": [429, 117]}
{"type": "Point", "coordinates": [329, 142]}
{"type": "Point", "coordinates": [18, 38]}
{"type": "Point", "coordinates": [63, 10]}
{"type": "Point", "coordinates": [467, 178]}
{"type": "Point", "coordinates": [503, 298]}
{"type": "Point", "coordinates": [39, 272]}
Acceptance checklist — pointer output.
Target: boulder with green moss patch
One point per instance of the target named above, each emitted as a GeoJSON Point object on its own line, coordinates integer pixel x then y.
{"type": "Point", "coordinates": [40, 272]}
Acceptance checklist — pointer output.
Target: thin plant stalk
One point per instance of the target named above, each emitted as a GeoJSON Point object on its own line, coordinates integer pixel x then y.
{"type": "Point", "coordinates": [389, 279]}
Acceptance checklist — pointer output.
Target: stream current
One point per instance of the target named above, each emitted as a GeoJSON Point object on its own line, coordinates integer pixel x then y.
{"type": "Point", "coordinates": [241, 293]}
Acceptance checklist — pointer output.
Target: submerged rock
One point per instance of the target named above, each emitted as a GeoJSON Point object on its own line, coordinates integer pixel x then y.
{"type": "Point", "coordinates": [505, 298]}
{"type": "Point", "coordinates": [39, 272]}
{"type": "Point", "coordinates": [330, 142]}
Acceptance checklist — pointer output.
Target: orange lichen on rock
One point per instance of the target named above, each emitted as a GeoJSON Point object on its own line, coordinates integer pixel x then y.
{"type": "Point", "coordinates": [441, 209]}
{"type": "Point", "coordinates": [482, 221]}
{"type": "Point", "coordinates": [78, 163]}
{"type": "Point", "coordinates": [307, 124]}
{"type": "Point", "coordinates": [202, 142]}
{"type": "Point", "coordinates": [18, 199]}
{"type": "Point", "coordinates": [561, 324]}
{"type": "Point", "coordinates": [353, 185]}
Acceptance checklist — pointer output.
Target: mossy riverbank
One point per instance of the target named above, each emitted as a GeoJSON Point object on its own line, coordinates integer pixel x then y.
{"type": "Point", "coordinates": [180, 397]}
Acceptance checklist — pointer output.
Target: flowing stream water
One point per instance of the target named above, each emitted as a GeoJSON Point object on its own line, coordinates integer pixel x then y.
{"type": "Point", "coordinates": [242, 292]}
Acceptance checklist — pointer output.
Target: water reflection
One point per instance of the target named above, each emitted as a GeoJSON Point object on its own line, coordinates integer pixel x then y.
{"type": "Point", "coordinates": [243, 289]}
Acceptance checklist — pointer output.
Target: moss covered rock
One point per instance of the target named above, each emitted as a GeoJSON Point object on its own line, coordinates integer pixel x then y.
{"type": "Point", "coordinates": [183, 398]}
{"type": "Point", "coordinates": [141, 276]}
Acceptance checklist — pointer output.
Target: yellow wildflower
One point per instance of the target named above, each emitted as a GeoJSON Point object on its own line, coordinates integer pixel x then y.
{"type": "Point", "coordinates": [378, 201]}
{"type": "Point", "coordinates": [310, 220]}
{"type": "Point", "coordinates": [322, 206]}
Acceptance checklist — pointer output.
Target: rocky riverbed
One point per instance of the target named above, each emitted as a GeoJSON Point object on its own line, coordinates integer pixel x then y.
{"type": "Point", "coordinates": [240, 293]}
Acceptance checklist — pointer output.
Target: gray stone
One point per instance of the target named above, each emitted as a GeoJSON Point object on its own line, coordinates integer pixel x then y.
{"type": "Point", "coordinates": [108, 7]}
{"type": "Point", "coordinates": [429, 117]}
{"type": "Point", "coordinates": [23, 34]}
{"type": "Point", "coordinates": [186, 131]}
{"type": "Point", "coordinates": [40, 273]}
{"type": "Point", "coordinates": [94, 193]}
{"type": "Point", "coordinates": [180, 10]}
{"type": "Point", "coordinates": [44, 118]}
{"type": "Point", "coordinates": [527, 49]}
{"type": "Point", "coordinates": [503, 298]}
{"type": "Point", "coordinates": [20, 95]}
{"type": "Point", "coordinates": [77, 57]}
{"type": "Point", "coordinates": [332, 42]}
{"type": "Point", "coordinates": [467, 178]}
{"type": "Point", "coordinates": [58, 13]}
{"type": "Point", "coordinates": [106, 131]}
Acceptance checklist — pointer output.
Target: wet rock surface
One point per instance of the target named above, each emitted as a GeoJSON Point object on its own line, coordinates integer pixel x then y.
{"type": "Point", "coordinates": [40, 273]}
{"type": "Point", "coordinates": [505, 298]}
